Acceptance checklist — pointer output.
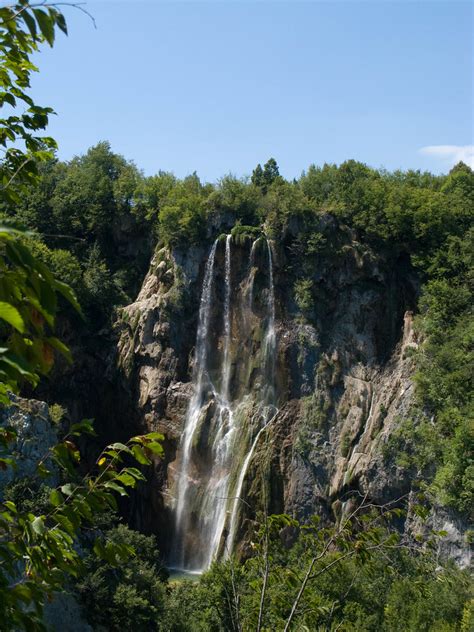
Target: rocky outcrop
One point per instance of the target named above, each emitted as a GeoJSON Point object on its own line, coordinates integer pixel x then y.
{"type": "Point", "coordinates": [35, 436]}
{"type": "Point", "coordinates": [343, 372]}
{"type": "Point", "coordinates": [456, 535]}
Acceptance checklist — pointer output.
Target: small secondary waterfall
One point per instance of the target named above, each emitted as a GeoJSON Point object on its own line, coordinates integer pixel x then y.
{"type": "Point", "coordinates": [222, 427]}
{"type": "Point", "coordinates": [269, 410]}
{"type": "Point", "coordinates": [233, 522]}
{"type": "Point", "coordinates": [227, 324]}
{"type": "Point", "coordinates": [270, 336]}
{"type": "Point", "coordinates": [252, 274]}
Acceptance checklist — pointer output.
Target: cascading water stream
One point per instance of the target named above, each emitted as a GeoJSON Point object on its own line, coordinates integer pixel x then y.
{"type": "Point", "coordinates": [227, 324]}
{"type": "Point", "coordinates": [215, 505]}
{"type": "Point", "coordinates": [270, 337]}
{"type": "Point", "coordinates": [206, 496]}
{"type": "Point", "coordinates": [269, 410]}
{"type": "Point", "coordinates": [252, 274]}
{"type": "Point", "coordinates": [199, 373]}
{"type": "Point", "coordinates": [233, 523]}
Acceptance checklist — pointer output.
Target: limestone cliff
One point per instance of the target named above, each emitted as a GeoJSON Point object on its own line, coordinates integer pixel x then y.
{"type": "Point", "coordinates": [35, 435]}
{"type": "Point", "coordinates": [343, 372]}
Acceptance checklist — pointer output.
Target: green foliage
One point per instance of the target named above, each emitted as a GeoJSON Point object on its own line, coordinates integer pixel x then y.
{"type": "Point", "coordinates": [182, 216]}
{"type": "Point", "coordinates": [359, 575]}
{"type": "Point", "coordinates": [94, 190]}
{"type": "Point", "coordinates": [264, 178]}
{"type": "Point", "coordinates": [62, 263]}
{"type": "Point", "coordinates": [30, 495]}
{"type": "Point", "coordinates": [28, 307]}
{"type": "Point", "coordinates": [313, 415]}
{"type": "Point", "coordinates": [175, 295]}
{"type": "Point", "coordinates": [283, 202]}
{"type": "Point", "coordinates": [151, 193]}
{"type": "Point", "coordinates": [39, 526]}
{"type": "Point", "coordinates": [304, 296]}
{"type": "Point", "coordinates": [87, 229]}
{"type": "Point", "coordinates": [100, 289]}
{"type": "Point", "coordinates": [242, 233]}
{"type": "Point", "coordinates": [236, 197]}
{"type": "Point", "coordinates": [194, 606]}
{"type": "Point", "coordinates": [442, 439]}
{"type": "Point", "coordinates": [345, 444]}
{"type": "Point", "coordinates": [434, 604]}
{"type": "Point", "coordinates": [22, 29]}
{"type": "Point", "coordinates": [257, 176]}
{"type": "Point", "coordinates": [129, 597]}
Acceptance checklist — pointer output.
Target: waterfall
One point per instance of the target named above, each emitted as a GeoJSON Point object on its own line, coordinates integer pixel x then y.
{"type": "Point", "coordinates": [199, 374]}
{"type": "Point", "coordinates": [233, 522]}
{"type": "Point", "coordinates": [269, 410]}
{"type": "Point", "coordinates": [270, 336]}
{"type": "Point", "coordinates": [227, 324]}
{"type": "Point", "coordinates": [252, 274]}
{"type": "Point", "coordinates": [215, 505]}
{"type": "Point", "coordinates": [210, 477]}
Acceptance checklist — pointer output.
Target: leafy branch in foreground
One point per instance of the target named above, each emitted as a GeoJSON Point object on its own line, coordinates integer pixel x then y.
{"type": "Point", "coordinates": [24, 26]}
{"type": "Point", "coordinates": [22, 29]}
{"type": "Point", "coordinates": [38, 552]}
{"type": "Point", "coordinates": [28, 308]}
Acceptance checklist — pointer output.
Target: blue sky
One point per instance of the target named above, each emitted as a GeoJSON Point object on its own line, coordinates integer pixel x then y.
{"type": "Point", "coordinates": [217, 87]}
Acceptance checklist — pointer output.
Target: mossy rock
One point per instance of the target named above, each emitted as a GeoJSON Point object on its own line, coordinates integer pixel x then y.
{"type": "Point", "coordinates": [345, 445]}
{"type": "Point", "coordinates": [241, 234]}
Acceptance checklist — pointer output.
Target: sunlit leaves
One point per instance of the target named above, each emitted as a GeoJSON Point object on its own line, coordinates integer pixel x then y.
{"type": "Point", "coordinates": [46, 543]}
{"type": "Point", "coordinates": [22, 29]}
{"type": "Point", "coordinates": [12, 316]}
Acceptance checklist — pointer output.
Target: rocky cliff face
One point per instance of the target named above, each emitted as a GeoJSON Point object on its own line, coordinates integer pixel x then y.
{"type": "Point", "coordinates": [343, 372]}
{"type": "Point", "coordinates": [35, 435]}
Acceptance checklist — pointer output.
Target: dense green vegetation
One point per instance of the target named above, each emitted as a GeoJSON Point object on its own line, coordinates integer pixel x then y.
{"type": "Point", "coordinates": [128, 597]}
{"type": "Point", "coordinates": [81, 214]}
{"type": "Point", "coordinates": [358, 576]}
{"type": "Point", "coordinates": [364, 582]}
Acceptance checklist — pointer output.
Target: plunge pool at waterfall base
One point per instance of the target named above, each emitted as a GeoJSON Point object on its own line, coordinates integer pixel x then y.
{"type": "Point", "coordinates": [181, 574]}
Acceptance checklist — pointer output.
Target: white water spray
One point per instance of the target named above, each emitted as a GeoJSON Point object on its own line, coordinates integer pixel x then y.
{"type": "Point", "coordinates": [270, 336]}
{"type": "Point", "coordinates": [200, 373]}
{"type": "Point", "coordinates": [269, 411]}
